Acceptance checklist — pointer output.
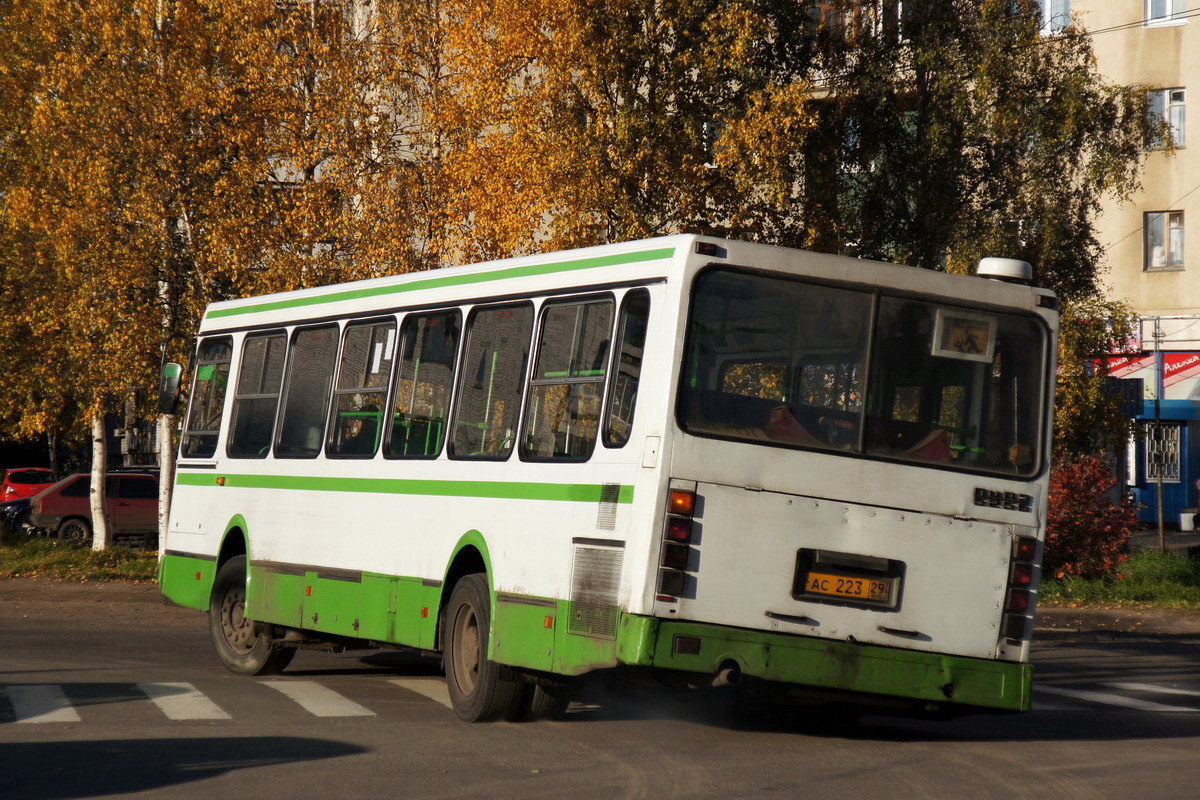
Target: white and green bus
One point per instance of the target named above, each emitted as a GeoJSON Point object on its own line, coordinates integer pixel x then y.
{"type": "Point", "coordinates": [683, 454]}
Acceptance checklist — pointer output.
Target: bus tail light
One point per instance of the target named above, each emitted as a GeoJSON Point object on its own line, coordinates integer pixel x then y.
{"type": "Point", "coordinates": [1018, 601]}
{"type": "Point", "coordinates": [1024, 548]}
{"type": "Point", "coordinates": [1014, 626]}
{"type": "Point", "coordinates": [681, 502]}
{"type": "Point", "coordinates": [1022, 575]}
{"type": "Point", "coordinates": [679, 530]}
{"type": "Point", "coordinates": [676, 552]}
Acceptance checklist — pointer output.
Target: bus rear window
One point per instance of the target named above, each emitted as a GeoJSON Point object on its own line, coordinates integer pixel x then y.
{"type": "Point", "coordinates": [775, 361]}
{"type": "Point", "coordinates": [784, 362]}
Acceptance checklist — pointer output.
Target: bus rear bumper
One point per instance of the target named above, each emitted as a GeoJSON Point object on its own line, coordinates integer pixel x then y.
{"type": "Point", "coordinates": [827, 664]}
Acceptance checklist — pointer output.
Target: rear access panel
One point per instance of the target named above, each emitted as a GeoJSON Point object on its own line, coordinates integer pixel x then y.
{"type": "Point", "coordinates": [804, 565]}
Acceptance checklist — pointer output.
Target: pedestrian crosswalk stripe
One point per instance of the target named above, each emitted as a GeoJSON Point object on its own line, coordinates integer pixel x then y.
{"type": "Point", "coordinates": [41, 703]}
{"type": "Point", "coordinates": [433, 688]}
{"type": "Point", "coordinates": [1113, 699]}
{"type": "Point", "coordinates": [1150, 687]}
{"type": "Point", "coordinates": [182, 701]}
{"type": "Point", "coordinates": [318, 700]}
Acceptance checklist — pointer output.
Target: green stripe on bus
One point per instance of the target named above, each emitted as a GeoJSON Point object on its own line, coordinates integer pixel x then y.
{"type": "Point", "coordinates": [450, 280]}
{"type": "Point", "coordinates": [504, 490]}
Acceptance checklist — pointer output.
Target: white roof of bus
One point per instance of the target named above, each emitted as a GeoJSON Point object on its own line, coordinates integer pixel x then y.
{"type": "Point", "coordinates": [256, 310]}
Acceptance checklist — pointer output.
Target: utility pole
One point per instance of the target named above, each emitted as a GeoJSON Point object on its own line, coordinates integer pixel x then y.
{"type": "Point", "coordinates": [1159, 460]}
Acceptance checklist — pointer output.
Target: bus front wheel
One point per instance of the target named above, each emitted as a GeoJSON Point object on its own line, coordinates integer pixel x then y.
{"type": "Point", "coordinates": [480, 690]}
{"type": "Point", "coordinates": [241, 644]}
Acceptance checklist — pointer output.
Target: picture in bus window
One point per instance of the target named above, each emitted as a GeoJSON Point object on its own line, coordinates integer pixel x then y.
{"type": "Point", "coordinates": [489, 388]}
{"type": "Point", "coordinates": [424, 379]}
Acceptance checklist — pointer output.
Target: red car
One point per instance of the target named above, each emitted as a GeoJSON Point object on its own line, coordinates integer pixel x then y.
{"type": "Point", "coordinates": [64, 509]}
{"type": "Point", "coordinates": [24, 482]}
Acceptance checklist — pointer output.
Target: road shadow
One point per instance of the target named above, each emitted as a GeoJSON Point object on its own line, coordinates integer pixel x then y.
{"type": "Point", "coordinates": [399, 662]}
{"type": "Point", "coordinates": [97, 768]}
{"type": "Point", "coordinates": [862, 721]}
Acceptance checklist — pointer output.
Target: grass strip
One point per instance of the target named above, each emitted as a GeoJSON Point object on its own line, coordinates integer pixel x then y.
{"type": "Point", "coordinates": [1149, 578]}
{"type": "Point", "coordinates": [23, 556]}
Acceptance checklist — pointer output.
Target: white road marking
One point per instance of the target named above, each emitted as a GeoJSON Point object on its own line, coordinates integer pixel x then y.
{"type": "Point", "coordinates": [1152, 687]}
{"type": "Point", "coordinates": [182, 701]}
{"type": "Point", "coordinates": [1113, 699]}
{"type": "Point", "coordinates": [42, 703]}
{"type": "Point", "coordinates": [433, 688]}
{"type": "Point", "coordinates": [318, 700]}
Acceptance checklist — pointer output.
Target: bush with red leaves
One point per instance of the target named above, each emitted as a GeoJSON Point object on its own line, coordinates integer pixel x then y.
{"type": "Point", "coordinates": [1086, 532]}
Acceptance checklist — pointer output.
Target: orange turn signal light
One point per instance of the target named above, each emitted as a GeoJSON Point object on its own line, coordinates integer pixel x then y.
{"type": "Point", "coordinates": [682, 502]}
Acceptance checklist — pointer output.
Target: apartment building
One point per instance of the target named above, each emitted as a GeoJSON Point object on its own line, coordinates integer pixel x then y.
{"type": "Point", "coordinates": [1153, 241]}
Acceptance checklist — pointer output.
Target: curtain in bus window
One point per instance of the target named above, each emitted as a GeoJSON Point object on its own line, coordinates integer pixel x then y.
{"type": "Point", "coordinates": [493, 371]}
{"type": "Point", "coordinates": [563, 413]}
{"type": "Point", "coordinates": [631, 341]}
{"type": "Point", "coordinates": [310, 373]}
{"type": "Point", "coordinates": [775, 360]}
{"type": "Point", "coordinates": [362, 390]}
{"type": "Point", "coordinates": [257, 396]}
{"type": "Point", "coordinates": [956, 386]}
{"type": "Point", "coordinates": [208, 398]}
{"type": "Point", "coordinates": [424, 378]}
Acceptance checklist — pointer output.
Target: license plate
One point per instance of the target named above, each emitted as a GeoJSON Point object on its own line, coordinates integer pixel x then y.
{"type": "Point", "coordinates": [870, 590]}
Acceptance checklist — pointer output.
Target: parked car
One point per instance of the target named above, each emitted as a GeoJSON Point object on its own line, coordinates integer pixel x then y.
{"type": "Point", "coordinates": [15, 513]}
{"type": "Point", "coordinates": [64, 509]}
{"type": "Point", "coordinates": [24, 482]}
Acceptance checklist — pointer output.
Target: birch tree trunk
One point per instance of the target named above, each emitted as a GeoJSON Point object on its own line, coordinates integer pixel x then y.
{"type": "Point", "coordinates": [100, 529]}
{"type": "Point", "coordinates": [166, 477]}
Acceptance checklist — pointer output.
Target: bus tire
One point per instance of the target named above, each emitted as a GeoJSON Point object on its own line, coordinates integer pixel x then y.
{"type": "Point", "coordinates": [547, 702]}
{"type": "Point", "coordinates": [480, 690]}
{"type": "Point", "coordinates": [241, 643]}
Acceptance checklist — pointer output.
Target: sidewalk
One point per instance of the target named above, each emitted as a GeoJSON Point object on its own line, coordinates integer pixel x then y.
{"type": "Point", "coordinates": [1059, 623]}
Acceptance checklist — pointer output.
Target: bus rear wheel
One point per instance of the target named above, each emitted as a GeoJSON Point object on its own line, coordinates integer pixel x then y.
{"type": "Point", "coordinates": [241, 643]}
{"type": "Point", "coordinates": [480, 690]}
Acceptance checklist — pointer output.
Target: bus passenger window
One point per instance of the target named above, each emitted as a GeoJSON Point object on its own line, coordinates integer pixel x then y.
{"type": "Point", "coordinates": [306, 397]}
{"type": "Point", "coordinates": [257, 396]}
{"type": "Point", "coordinates": [424, 377]}
{"type": "Point", "coordinates": [627, 368]}
{"type": "Point", "coordinates": [489, 386]}
{"type": "Point", "coordinates": [563, 412]}
{"type": "Point", "coordinates": [361, 391]}
{"type": "Point", "coordinates": [208, 398]}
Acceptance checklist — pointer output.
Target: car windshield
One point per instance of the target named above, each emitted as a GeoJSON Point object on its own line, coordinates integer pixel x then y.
{"type": "Point", "coordinates": [784, 362]}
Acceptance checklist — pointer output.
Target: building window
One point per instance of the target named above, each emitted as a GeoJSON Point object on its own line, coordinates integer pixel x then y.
{"type": "Point", "coordinates": [1162, 452]}
{"type": "Point", "coordinates": [1056, 15]}
{"type": "Point", "coordinates": [1164, 239]}
{"type": "Point", "coordinates": [1169, 106]}
{"type": "Point", "coordinates": [1166, 12]}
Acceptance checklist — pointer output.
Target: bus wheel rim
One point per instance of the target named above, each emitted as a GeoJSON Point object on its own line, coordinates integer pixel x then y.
{"type": "Point", "coordinates": [238, 631]}
{"type": "Point", "coordinates": [467, 650]}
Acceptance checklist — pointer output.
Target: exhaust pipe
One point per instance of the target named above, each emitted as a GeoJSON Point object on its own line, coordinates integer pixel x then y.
{"type": "Point", "coordinates": [729, 674]}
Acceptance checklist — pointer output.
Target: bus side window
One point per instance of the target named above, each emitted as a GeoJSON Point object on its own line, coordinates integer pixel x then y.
{"type": "Point", "coordinates": [361, 391]}
{"type": "Point", "coordinates": [627, 367]}
{"type": "Point", "coordinates": [562, 415]}
{"type": "Point", "coordinates": [207, 402]}
{"type": "Point", "coordinates": [424, 378]}
{"type": "Point", "coordinates": [257, 396]}
{"type": "Point", "coordinates": [490, 382]}
{"type": "Point", "coordinates": [306, 393]}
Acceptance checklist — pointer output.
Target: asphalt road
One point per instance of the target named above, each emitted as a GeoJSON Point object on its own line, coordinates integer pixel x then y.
{"type": "Point", "coordinates": [104, 692]}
